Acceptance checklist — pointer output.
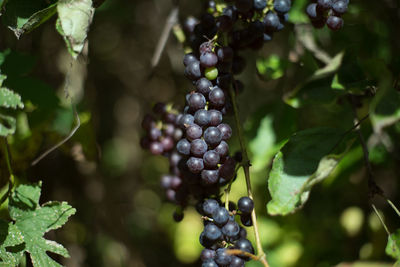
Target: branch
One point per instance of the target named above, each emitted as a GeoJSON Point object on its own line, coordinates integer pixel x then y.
{"type": "Point", "coordinates": [246, 168]}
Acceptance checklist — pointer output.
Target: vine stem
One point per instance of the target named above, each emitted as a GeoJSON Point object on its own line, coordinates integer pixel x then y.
{"type": "Point", "coordinates": [11, 174]}
{"type": "Point", "coordinates": [246, 168]}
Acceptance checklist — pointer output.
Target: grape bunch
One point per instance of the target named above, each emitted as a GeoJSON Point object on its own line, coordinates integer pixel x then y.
{"type": "Point", "coordinates": [327, 12]}
{"type": "Point", "coordinates": [222, 233]}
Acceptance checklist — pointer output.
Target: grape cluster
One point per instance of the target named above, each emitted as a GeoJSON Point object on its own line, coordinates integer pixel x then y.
{"type": "Point", "coordinates": [327, 12]}
{"type": "Point", "coordinates": [222, 233]}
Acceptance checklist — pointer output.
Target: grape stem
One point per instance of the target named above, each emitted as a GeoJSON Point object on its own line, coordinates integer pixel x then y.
{"type": "Point", "coordinates": [11, 177]}
{"type": "Point", "coordinates": [246, 168]}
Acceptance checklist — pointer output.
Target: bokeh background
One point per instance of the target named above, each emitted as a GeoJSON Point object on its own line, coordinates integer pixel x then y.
{"type": "Point", "coordinates": [122, 217]}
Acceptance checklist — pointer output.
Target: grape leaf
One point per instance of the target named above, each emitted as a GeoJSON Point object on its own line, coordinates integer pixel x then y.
{"type": "Point", "coordinates": [74, 19]}
{"type": "Point", "coordinates": [393, 245]}
{"type": "Point", "coordinates": [305, 160]}
{"type": "Point", "coordinates": [25, 15]}
{"type": "Point", "coordinates": [10, 99]}
{"type": "Point", "coordinates": [34, 221]}
{"type": "Point", "coordinates": [12, 247]}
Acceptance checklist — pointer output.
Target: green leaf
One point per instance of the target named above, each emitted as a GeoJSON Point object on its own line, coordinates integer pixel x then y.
{"type": "Point", "coordinates": [271, 68]}
{"type": "Point", "coordinates": [7, 125]}
{"type": "Point", "coordinates": [23, 16]}
{"type": "Point", "coordinates": [34, 221]}
{"type": "Point", "coordinates": [12, 247]}
{"type": "Point", "coordinates": [393, 245]}
{"type": "Point", "coordinates": [9, 99]}
{"type": "Point", "coordinates": [305, 160]}
{"type": "Point", "coordinates": [74, 19]}
{"type": "Point", "coordinates": [385, 108]}
{"type": "Point", "coordinates": [316, 89]}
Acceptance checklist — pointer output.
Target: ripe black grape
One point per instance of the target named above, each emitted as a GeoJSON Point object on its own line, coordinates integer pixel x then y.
{"type": "Point", "coordinates": [245, 205]}
{"type": "Point", "coordinates": [198, 147]}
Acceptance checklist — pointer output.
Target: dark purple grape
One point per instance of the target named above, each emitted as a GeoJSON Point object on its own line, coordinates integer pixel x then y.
{"type": "Point", "coordinates": [196, 101]}
{"type": "Point", "coordinates": [148, 122]}
{"type": "Point", "coordinates": [212, 136]}
{"type": "Point", "coordinates": [204, 86]}
{"type": "Point", "coordinates": [154, 133]}
{"type": "Point", "coordinates": [215, 117]}
{"type": "Point", "coordinates": [334, 23]}
{"type": "Point", "coordinates": [246, 220]}
{"type": "Point", "coordinates": [205, 242]}
{"type": "Point", "coordinates": [231, 229]}
{"type": "Point", "coordinates": [156, 148]}
{"type": "Point", "coordinates": [312, 11]}
{"type": "Point", "coordinates": [210, 206]}
{"type": "Point", "coordinates": [189, 24]}
{"type": "Point", "coordinates": [222, 149]}
{"type": "Point", "coordinates": [226, 131]}
{"type": "Point", "coordinates": [222, 258]}
{"type": "Point", "coordinates": [194, 131]}
{"type": "Point", "coordinates": [259, 4]}
{"type": "Point", "coordinates": [178, 216]}
{"type": "Point", "coordinates": [160, 108]}
{"type": "Point", "coordinates": [227, 170]}
{"type": "Point", "coordinates": [186, 120]}
{"type": "Point", "coordinates": [208, 59]}
{"type": "Point", "coordinates": [202, 117]}
{"type": "Point", "coordinates": [198, 147]}
{"type": "Point", "coordinates": [189, 59]}
{"type": "Point", "coordinates": [236, 262]}
{"type": "Point", "coordinates": [195, 165]}
{"type": "Point", "coordinates": [209, 177]}
{"type": "Point", "coordinates": [220, 216]}
{"type": "Point", "coordinates": [324, 4]}
{"type": "Point", "coordinates": [244, 245]}
{"type": "Point", "coordinates": [176, 182]}
{"type": "Point", "coordinates": [169, 129]}
{"type": "Point", "coordinates": [193, 71]}
{"type": "Point", "coordinates": [183, 147]}
{"type": "Point", "coordinates": [217, 97]}
{"type": "Point", "coordinates": [206, 47]}
{"type": "Point", "coordinates": [207, 254]}
{"type": "Point", "coordinates": [212, 232]}
{"type": "Point", "coordinates": [245, 205]}
{"type": "Point", "coordinates": [209, 263]}
{"type": "Point", "coordinates": [339, 7]}
{"type": "Point", "coordinates": [167, 143]}
{"type": "Point", "coordinates": [211, 159]}
{"type": "Point", "coordinates": [282, 6]}
{"type": "Point", "coordinates": [166, 181]}
{"type": "Point", "coordinates": [271, 21]}
{"type": "Point", "coordinates": [171, 195]}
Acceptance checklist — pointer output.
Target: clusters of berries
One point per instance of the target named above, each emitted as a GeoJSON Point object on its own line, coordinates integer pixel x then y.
{"type": "Point", "coordinates": [222, 233]}
{"type": "Point", "coordinates": [327, 12]}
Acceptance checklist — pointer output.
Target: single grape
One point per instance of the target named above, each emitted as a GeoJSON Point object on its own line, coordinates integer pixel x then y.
{"type": "Point", "coordinates": [166, 181]}
{"type": "Point", "coordinates": [226, 131]}
{"type": "Point", "coordinates": [209, 177]}
{"type": "Point", "coordinates": [244, 245]}
{"type": "Point", "coordinates": [236, 262]}
{"type": "Point", "coordinates": [339, 7]}
{"type": "Point", "coordinates": [178, 216]}
{"type": "Point", "coordinates": [220, 216]}
{"type": "Point", "coordinates": [211, 73]}
{"type": "Point", "coordinates": [211, 159]}
{"type": "Point", "coordinates": [194, 131]}
{"type": "Point", "coordinates": [167, 143]}
{"type": "Point", "coordinates": [267, 37]}
{"type": "Point", "coordinates": [207, 254]}
{"type": "Point", "coordinates": [198, 147]}
{"type": "Point", "coordinates": [225, 54]}
{"type": "Point", "coordinates": [210, 206]}
{"type": "Point", "coordinates": [231, 229]}
{"type": "Point", "coordinates": [312, 11]}
{"type": "Point", "coordinates": [212, 232]}
{"type": "Point", "coordinates": [202, 117]}
{"type": "Point", "coordinates": [193, 71]}
{"type": "Point", "coordinates": [196, 101]}
{"type": "Point", "coordinates": [186, 120]}
{"type": "Point", "coordinates": [271, 21]}
{"type": "Point", "coordinates": [324, 4]}
{"type": "Point", "coordinates": [183, 147]}
{"type": "Point", "coordinates": [189, 24]}
{"type": "Point", "coordinates": [245, 205]}
{"type": "Point", "coordinates": [207, 47]}
{"type": "Point", "coordinates": [227, 170]}
{"type": "Point", "coordinates": [208, 59]}
{"type": "Point", "coordinates": [154, 133]}
{"type": "Point", "coordinates": [334, 23]}
{"type": "Point", "coordinates": [195, 165]}
{"type": "Point", "coordinates": [282, 6]}
{"type": "Point", "coordinates": [156, 148]}
{"type": "Point", "coordinates": [176, 182]}
{"type": "Point", "coordinates": [217, 97]}
{"type": "Point", "coordinates": [215, 117]}
{"type": "Point", "coordinates": [212, 136]}
{"type": "Point", "coordinates": [246, 220]}
{"type": "Point", "coordinates": [189, 59]}
{"type": "Point", "coordinates": [260, 4]}
{"type": "Point", "coordinates": [204, 86]}
{"type": "Point", "coordinates": [222, 258]}
{"type": "Point", "coordinates": [209, 263]}
{"type": "Point", "coordinates": [222, 149]}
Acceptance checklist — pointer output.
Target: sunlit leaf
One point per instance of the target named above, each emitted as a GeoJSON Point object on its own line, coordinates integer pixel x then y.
{"type": "Point", "coordinates": [393, 245]}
